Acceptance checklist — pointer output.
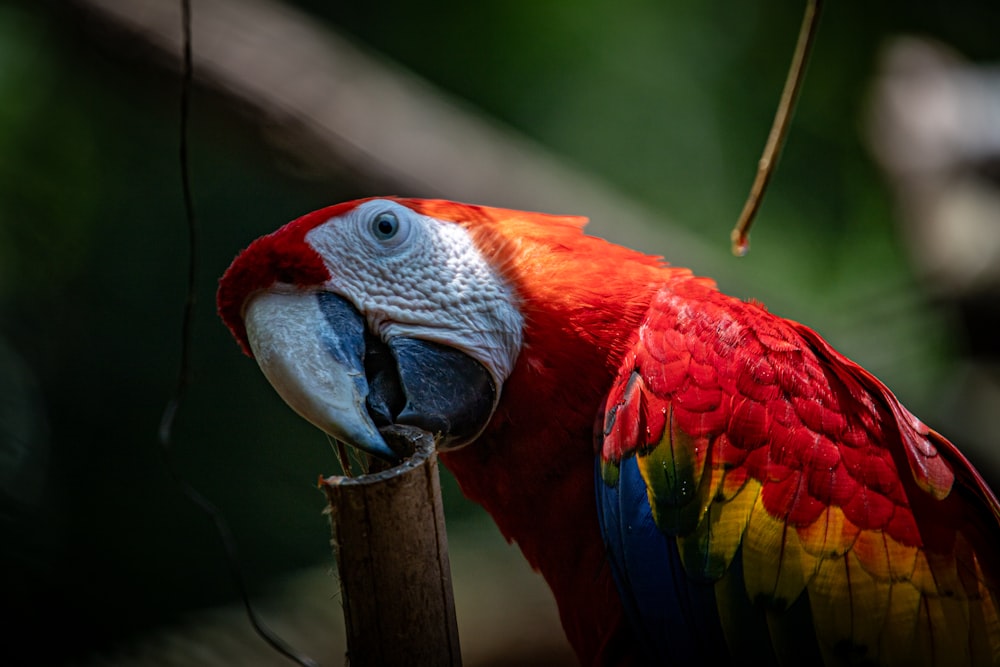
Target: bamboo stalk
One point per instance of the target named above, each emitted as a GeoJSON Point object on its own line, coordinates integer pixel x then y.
{"type": "Point", "coordinates": [392, 557]}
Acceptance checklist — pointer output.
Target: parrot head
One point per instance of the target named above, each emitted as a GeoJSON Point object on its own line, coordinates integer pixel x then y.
{"type": "Point", "coordinates": [378, 312]}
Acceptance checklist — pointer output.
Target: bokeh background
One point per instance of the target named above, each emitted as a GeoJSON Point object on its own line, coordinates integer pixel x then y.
{"type": "Point", "coordinates": [880, 231]}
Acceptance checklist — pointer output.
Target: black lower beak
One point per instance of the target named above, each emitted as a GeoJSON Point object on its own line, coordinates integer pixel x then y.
{"type": "Point", "coordinates": [419, 383]}
{"type": "Point", "coordinates": [431, 386]}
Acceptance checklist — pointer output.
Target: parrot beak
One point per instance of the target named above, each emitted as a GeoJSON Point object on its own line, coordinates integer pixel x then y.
{"type": "Point", "coordinates": [315, 350]}
{"type": "Point", "coordinates": [311, 350]}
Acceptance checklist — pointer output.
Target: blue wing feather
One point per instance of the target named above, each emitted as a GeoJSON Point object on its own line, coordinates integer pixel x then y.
{"type": "Point", "coordinates": [673, 617]}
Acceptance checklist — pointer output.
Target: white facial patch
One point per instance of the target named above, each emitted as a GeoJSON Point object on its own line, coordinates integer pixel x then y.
{"type": "Point", "coordinates": [412, 275]}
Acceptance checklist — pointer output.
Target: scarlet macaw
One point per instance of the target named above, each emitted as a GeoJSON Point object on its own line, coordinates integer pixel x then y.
{"type": "Point", "coordinates": [697, 480]}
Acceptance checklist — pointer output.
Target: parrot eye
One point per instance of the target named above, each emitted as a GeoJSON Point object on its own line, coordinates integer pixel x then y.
{"type": "Point", "coordinates": [385, 226]}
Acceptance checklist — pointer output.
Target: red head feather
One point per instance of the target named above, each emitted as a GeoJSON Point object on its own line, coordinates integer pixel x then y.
{"type": "Point", "coordinates": [282, 256]}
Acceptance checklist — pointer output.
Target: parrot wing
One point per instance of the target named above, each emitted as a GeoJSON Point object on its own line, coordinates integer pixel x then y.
{"type": "Point", "coordinates": [763, 497]}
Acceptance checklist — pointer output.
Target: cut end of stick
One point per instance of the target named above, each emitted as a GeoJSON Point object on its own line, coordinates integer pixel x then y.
{"type": "Point", "coordinates": [740, 242]}
{"type": "Point", "coordinates": [414, 444]}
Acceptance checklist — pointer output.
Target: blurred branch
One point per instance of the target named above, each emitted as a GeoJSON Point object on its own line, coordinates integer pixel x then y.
{"type": "Point", "coordinates": [344, 108]}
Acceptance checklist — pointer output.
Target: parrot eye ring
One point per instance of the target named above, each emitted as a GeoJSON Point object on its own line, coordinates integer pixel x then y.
{"type": "Point", "coordinates": [385, 226]}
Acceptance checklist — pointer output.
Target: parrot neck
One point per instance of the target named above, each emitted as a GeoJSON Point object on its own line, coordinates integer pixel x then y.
{"type": "Point", "coordinates": [534, 469]}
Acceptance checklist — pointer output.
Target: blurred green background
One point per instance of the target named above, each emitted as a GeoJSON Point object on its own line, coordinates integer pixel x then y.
{"type": "Point", "coordinates": [668, 103]}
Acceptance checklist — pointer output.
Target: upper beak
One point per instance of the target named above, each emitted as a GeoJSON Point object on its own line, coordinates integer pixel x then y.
{"type": "Point", "coordinates": [312, 353]}
{"type": "Point", "coordinates": [314, 349]}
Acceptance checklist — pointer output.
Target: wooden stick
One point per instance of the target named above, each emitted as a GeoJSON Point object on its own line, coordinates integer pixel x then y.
{"type": "Point", "coordinates": [740, 236]}
{"type": "Point", "coordinates": [392, 557]}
